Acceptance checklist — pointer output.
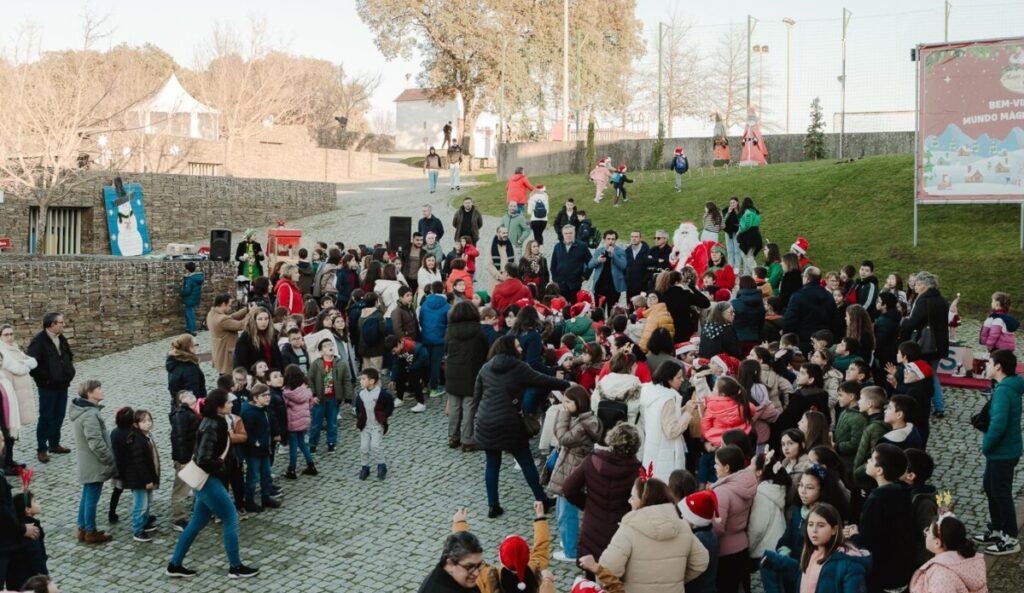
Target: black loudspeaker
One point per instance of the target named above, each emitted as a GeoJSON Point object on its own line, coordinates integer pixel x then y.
{"type": "Point", "coordinates": [399, 232]}
{"type": "Point", "coordinates": [220, 245]}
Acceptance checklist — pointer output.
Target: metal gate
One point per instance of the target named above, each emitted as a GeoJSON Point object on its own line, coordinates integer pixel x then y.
{"type": "Point", "coordinates": [62, 233]}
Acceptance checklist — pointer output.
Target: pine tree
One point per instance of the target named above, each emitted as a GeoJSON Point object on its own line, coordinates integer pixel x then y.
{"type": "Point", "coordinates": [658, 149]}
{"type": "Point", "coordinates": [814, 141]}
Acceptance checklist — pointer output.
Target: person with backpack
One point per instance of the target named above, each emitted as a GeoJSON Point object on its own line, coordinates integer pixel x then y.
{"type": "Point", "coordinates": [538, 206]}
{"type": "Point", "coordinates": [619, 181]}
{"type": "Point", "coordinates": [680, 164]}
{"type": "Point", "coordinates": [371, 333]}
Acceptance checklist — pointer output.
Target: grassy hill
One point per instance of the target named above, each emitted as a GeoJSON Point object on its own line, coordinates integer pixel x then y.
{"type": "Point", "coordinates": [848, 212]}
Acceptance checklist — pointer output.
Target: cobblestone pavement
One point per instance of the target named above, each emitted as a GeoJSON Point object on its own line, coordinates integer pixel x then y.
{"type": "Point", "coordinates": [336, 533]}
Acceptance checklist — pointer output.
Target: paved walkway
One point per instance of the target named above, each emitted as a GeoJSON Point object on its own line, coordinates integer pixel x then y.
{"type": "Point", "coordinates": [334, 532]}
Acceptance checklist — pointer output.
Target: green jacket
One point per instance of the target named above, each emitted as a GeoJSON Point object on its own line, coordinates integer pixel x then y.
{"type": "Point", "coordinates": [749, 219]}
{"type": "Point", "coordinates": [775, 279]}
{"type": "Point", "coordinates": [873, 432]}
{"type": "Point", "coordinates": [1002, 440]}
{"type": "Point", "coordinates": [518, 229]}
{"type": "Point", "coordinates": [342, 380]}
{"type": "Point", "coordinates": [582, 327]}
{"type": "Point", "coordinates": [849, 429]}
{"type": "Point", "coordinates": [92, 442]}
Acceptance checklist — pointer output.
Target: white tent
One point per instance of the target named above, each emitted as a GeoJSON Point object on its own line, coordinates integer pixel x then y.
{"type": "Point", "coordinates": [173, 111]}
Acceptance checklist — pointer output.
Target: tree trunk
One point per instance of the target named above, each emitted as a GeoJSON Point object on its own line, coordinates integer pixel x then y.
{"type": "Point", "coordinates": [44, 210]}
{"type": "Point", "coordinates": [469, 116]}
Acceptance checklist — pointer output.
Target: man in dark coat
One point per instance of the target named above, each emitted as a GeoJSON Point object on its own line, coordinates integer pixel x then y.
{"type": "Point", "coordinates": [568, 263]}
{"type": "Point", "coordinates": [931, 311]}
{"type": "Point", "coordinates": [810, 309]}
{"type": "Point", "coordinates": [430, 223]}
{"type": "Point", "coordinates": [657, 259]}
{"type": "Point", "coordinates": [636, 264]}
{"type": "Point", "coordinates": [467, 221]}
{"type": "Point", "coordinates": [54, 374]}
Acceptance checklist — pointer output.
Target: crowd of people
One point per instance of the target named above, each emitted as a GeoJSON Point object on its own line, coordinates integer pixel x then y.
{"type": "Point", "coordinates": [688, 427]}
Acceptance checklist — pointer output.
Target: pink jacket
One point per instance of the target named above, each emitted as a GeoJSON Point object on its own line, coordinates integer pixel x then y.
{"type": "Point", "coordinates": [997, 331]}
{"type": "Point", "coordinates": [735, 497]}
{"type": "Point", "coordinates": [600, 175]}
{"type": "Point", "coordinates": [949, 572]}
{"type": "Point", "coordinates": [722, 414]}
{"type": "Point", "coordinates": [299, 402]}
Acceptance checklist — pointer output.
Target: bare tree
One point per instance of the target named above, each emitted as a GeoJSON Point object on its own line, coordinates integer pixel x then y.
{"type": "Point", "coordinates": [250, 83]}
{"type": "Point", "coordinates": [683, 81]}
{"type": "Point", "coordinates": [726, 77]}
{"type": "Point", "coordinates": [383, 122]}
{"type": "Point", "coordinates": [52, 104]}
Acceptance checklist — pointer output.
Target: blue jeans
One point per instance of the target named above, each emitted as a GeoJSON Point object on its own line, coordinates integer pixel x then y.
{"type": "Point", "coordinates": [732, 248]}
{"type": "Point", "coordinates": [998, 484]}
{"type": "Point", "coordinates": [257, 469]}
{"type": "Point", "coordinates": [706, 473]}
{"type": "Point", "coordinates": [531, 400]}
{"type": "Point", "coordinates": [432, 179]}
{"type": "Point", "coordinates": [937, 402]}
{"type": "Point", "coordinates": [568, 525]}
{"type": "Point", "coordinates": [53, 404]}
{"type": "Point", "coordinates": [328, 407]}
{"type": "Point", "coordinates": [87, 505]}
{"type": "Point", "coordinates": [453, 176]}
{"type": "Point", "coordinates": [296, 442]}
{"type": "Point", "coordinates": [492, 469]}
{"type": "Point", "coordinates": [212, 500]}
{"type": "Point", "coordinates": [141, 501]}
{"type": "Point", "coordinates": [190, 319]}
{"type": "Point", "coordinates": [436, 352]}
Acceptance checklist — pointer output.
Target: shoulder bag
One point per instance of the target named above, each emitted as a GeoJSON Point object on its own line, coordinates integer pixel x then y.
{"type": "Point", "coordinates": [195, 476]}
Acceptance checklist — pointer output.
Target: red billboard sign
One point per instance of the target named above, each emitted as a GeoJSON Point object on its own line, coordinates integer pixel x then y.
{"type": "Point", "coordinates": [970, 122]}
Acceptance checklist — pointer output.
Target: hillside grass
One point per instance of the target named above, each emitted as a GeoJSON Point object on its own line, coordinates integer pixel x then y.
{"type": "Point", "coordinates": [849, 212]}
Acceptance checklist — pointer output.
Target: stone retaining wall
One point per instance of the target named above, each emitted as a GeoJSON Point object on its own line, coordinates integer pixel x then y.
{"type": "Point", "coordinates": [179, 208]}
{"type": "Point", "coordinates": [110, 303]}
{"type": "Point", "coordinates": [552, 158]}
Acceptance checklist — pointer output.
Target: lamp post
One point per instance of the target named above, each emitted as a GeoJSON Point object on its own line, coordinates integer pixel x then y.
{"type": "Point", "coordinates": [565, 70]}
{"type": "Point", "coordinates": [842, 81]}
{"type": "Point", "coordinates": [751, 24]}
{"type": "Point", "coordinates": [789, 32]}
{"type": "Point", "coordinates": [661, 34]}
{"type": "Point", "coordinates": [760, 50]}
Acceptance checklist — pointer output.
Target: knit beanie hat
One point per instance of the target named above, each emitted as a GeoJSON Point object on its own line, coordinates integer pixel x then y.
{"type": "Point", "coordinates": [514, 554]}
{"type": "Point", "coordinates": [700, 508]}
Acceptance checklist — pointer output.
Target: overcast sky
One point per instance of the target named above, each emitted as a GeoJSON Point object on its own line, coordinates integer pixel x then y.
{"type": "Point", "coordinates": [879, 74]}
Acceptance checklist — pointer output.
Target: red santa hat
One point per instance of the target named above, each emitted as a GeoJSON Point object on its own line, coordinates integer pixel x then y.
{"type": "Point", "coordinates": [584, 296]}
{"type": "Point", "coordinates": [729, 364]}
{"type": "Point", "coordinates": [524, 302]}
{"type": "Point", "coordinates": [582, 585]}
{"type": "Point", "coordinates": [558, 304]}
{"type": "Point", "coordinates": [700, 509]}
{"type": "Point", "coordinates": [679, 150]}
{"type": "Point", "coordinates": [622, 168]}
{"type": "Point", "coordinates": [567, 357]}
{"type": "Point", "coordinates": [722, 295]}
{"type": "Point", "coordinates": [702, 363]}
{"type": "Point", "coordinates": [685, 348]}
{"type": "Point", "coordinates": [799, 246]}
{"type": "Point", "coordinates": [579, 309]}
{"type": "Point", "coordinates": [540, 187]}
{"type": "Point", "coordinates": [921, 369]}
{"type": "Point", "coordinates": [514, 553]}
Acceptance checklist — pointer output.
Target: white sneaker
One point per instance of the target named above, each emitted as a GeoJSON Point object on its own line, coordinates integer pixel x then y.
{"type": "Point", "coordinates": [398, 402]}
{"type": "Point", "coordinates": [561, 557]}
{"type": "Point", "coordinates": [419, 408]}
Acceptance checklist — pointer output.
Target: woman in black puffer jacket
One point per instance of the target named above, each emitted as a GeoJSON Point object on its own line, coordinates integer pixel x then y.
{"type": "Point", "coordinates": [213, 498]}
{"type": "Point", "coordinates": [499, 421]}
{"type": "Point", "coordinates": [467, 350]}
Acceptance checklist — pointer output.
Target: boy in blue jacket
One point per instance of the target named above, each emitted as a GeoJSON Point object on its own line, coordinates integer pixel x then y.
{"type": "Point", "coordinates": [256, 418]}
{"type": "Point", "coordinates": [191, 292]}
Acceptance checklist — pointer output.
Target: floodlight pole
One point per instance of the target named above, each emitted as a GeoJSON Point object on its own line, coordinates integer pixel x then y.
{"type": "Point", "coordinates": [842, 103]}
{"type": "Point", "coordinates": [949, 9]}
{"type": "Point", "coordinates": [751, 24]}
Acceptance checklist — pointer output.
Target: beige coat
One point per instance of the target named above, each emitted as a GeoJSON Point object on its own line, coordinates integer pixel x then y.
{"type": "Point", "coordinates": [224, 330]}
{"type": "Point", "coordinates": [16, 366]}
{"type": "Point", "coordinates": [576, 436]}
{"type": "Point", "coordinates": [654, 551]}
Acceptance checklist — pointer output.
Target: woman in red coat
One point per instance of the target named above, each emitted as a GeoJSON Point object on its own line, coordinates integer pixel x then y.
{"type": "Point", "coordinates": [287, 290]}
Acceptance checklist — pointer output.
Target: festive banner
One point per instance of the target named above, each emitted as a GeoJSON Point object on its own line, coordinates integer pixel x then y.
{"type": "Point", "coordinates": [970, 126]}
{"type": "Point", "coordinates": [126, 221]}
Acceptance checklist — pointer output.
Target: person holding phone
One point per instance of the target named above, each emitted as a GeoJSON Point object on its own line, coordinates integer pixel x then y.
{"type": "Point", "coordinates": [609, 265]}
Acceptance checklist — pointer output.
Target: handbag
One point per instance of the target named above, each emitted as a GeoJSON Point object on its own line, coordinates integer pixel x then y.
{"type": "Point", "coordinates": [982, 418]}
{"type": "Point", "coordinates": [195, 476]}
{"type": "Point", "coordinates": [926, 341]}
{"type": "Point", "coordinates": [531, 424]}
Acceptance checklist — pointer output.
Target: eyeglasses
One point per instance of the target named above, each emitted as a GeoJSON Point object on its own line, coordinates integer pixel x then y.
{"type": "Point", "coordinates": [470, 568]}
{"type": "Point", "coordinates": [661, 238]}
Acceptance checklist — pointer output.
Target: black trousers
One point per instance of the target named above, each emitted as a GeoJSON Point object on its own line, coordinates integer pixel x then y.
{"type": "Point", "coordinates": [538, 227]}
{"type": "Point", "coordinates": [731, 569]}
